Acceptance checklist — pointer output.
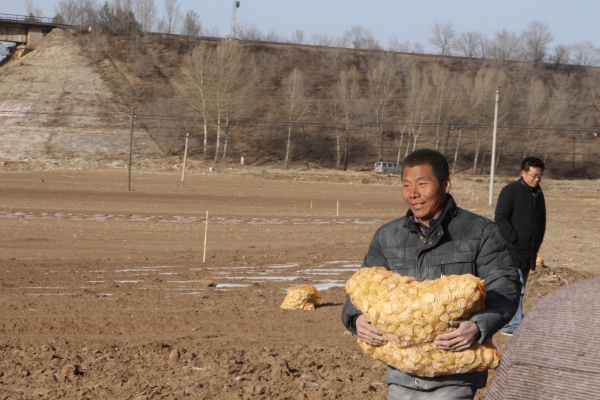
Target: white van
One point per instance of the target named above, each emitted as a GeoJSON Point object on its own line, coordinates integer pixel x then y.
{"type": "Point", "coordinates": [386, 167]}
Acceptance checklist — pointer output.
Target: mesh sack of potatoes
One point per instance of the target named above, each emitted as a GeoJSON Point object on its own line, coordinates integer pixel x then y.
{"type": "Point", "coordinates": [302, 298]}
{"type": "Point", "coordinates": [412, 314]}
{"type": "Point", "coordinates": [539, 262]}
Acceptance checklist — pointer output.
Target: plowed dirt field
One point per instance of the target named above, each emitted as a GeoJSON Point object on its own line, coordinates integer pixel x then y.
{"type": "Point", "coordinates": [109, 294]}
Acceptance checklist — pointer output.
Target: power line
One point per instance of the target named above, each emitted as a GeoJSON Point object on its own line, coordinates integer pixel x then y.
{"type": "Point", "coordinates": [236, 121]}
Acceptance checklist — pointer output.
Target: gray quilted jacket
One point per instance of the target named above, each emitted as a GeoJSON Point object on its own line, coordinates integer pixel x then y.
{"type": "Point", "coordinates": [461, 243]}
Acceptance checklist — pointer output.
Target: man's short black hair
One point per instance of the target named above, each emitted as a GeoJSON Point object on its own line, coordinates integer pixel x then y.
{"type": "Point", "coordinates": [532, 162]}
{"type": "Point", "coordinates": [439, 164]}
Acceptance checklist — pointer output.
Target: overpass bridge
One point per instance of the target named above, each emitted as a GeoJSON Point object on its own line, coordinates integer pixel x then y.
{"type": "Point", "coordinates": [24, 31]}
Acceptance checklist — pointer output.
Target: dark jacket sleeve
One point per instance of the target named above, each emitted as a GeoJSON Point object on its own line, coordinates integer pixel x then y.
{"type": "Point", "coordinates": [543, 216]}
{"type": "Point", "coordinates": [373, 258]}
{"type": "Point", "coordinates": [502, 285]}
{"type": "Point", "coordinates": [503, 214]}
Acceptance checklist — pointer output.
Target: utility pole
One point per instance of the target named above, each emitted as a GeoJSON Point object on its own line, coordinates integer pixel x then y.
{"type": "Point", "coordinates": [493, 158]}
{"type": "Point", "coordinates": [573, 159]}
{"type": "Point", "coordinates": [236, 5]}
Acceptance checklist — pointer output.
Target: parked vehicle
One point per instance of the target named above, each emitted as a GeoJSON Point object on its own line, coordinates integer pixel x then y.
{"type": "Point", "coordinates": [386, 167]}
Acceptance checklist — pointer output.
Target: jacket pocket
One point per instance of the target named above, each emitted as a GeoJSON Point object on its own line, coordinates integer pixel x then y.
{"type": "Point", "coordinates": [404, 270]}
{"type": "Point", "coordinates": [456, 263]}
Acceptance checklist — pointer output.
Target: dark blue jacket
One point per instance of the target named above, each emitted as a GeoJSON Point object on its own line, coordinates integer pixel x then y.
{"type": "Point", "coordinates": [461, 243]}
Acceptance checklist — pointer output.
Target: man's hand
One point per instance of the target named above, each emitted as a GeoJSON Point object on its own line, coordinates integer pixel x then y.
{"type": "Point", "coordinates": [368, 333]}
{"type": "Point", "coordinates": [460, 339]}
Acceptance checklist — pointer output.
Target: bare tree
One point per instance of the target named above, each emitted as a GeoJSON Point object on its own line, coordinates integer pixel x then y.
{"type": "Point", "coordinates": [333, 61]}
{"type": "Point", "coordinates": [418, 48]}
{"type": "Point", "coordinates": [441, 102]}
{"type": "Point", "coordinates": [194, 87]}
{"type": "Point", "coordinates": [417, 103]}
{"type": "Point", "coordinates": [293, 90]}
{"type": "Point", "coordinates": [371, 43]}
{"type": "Point", "coordinates": [248, 31]}
{"type": "Point", "coordinates": [118, 17]}
{"type": "Point", "coordinates": [443, 37]}
{"type": "Point", "coordinates": [505, 46]}
{"type": "Point", "coordinates": [172, 16]}
{"type": "Point", "coordinates": [212, 32]}
{"type": "Point", "coordinates": [346, 97]}
{"type": "Point", "coordinates": [32, 10]}
{"type": "Point", "coordinates": [593, 83]}
{"type": "Point", "coordinates": [468, 44]}
{"type": "Point", "coordinates": [541, 109]}
{"type": "Point", "coordinates": [536, 102]}
{"type": "Point", "coordinates": [361, 38]}
{"type": "Point", "coordinates": [297, 37]}
{"type": "Point", "coordinates": [395, 45]}
{"type": "Point", "coordinates": [88, 13]}
{"type": "Point", "coordinates": [229, 87]}
{"type": "Point", "coordinates": [239, 85]}
{"type": "Point", "coordinates": [584, 53]}
{"type": "Point", "coordinates": [145, 11]}
{"type": "Point", "coordinates": [557, 112]}
{"type": "Point", "coordinates": [69, 11]}
{"type": "Point", "coordinates": [475, 106]}
{"type": "Point", "coordinates": [273, 36]}
{"type": "Point", "coordinates": [560, 55]}
{"type": "Point", "coordinates": [191, 24]}
{"type": "Point", "coordinates": [322, 39]}
{"type": "Point", "coordinates": [535, 41]}
{"type": "Point", "coordinates": [383, 85]}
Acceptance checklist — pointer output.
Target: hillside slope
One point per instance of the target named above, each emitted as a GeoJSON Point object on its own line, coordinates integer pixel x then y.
{"type": "Point", "coordinates": [71, 112]}
{"type": "Point", "coordinates": [72, 99]}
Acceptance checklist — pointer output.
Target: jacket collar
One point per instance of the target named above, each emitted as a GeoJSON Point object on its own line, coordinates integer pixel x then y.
{"type": "Point", "coordinates": [531, 189]}
{"type": "Point", "coordinates": [449, 210]}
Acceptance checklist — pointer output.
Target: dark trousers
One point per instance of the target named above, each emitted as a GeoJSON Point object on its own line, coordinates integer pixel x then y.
{"type": "Point", "coordinates": [396, 392]}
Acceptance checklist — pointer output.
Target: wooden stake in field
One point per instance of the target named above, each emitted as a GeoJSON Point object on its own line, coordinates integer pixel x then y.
{"type": "Point", "coordinates": [337, 210]}
{"type": "Point", "coordinates": [205, 235]}
{"type": "Point", "coordinates": [187, 136]}
{"type": "Point", "coordinates": [311, 204]}
{"type": "Point", "coordinates": [130, 148]}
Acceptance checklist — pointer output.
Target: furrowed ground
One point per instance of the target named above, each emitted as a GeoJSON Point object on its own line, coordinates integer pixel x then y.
{"type": "Point", "coordinates": [105, 293]}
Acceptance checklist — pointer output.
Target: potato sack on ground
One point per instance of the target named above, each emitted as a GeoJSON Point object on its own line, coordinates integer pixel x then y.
{"type": "Point", "coordinates": [302, 298]}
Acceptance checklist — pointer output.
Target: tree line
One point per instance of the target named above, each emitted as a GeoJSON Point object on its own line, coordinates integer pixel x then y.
{"type": "Point", "coordinates": [406, 99]}
{"type": "Point", "coordinates": [235, 91]}
{"type": "Point", "coordinates": [535, 43]}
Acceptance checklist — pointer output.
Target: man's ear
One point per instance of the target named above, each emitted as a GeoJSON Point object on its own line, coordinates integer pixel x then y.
{"type": "Point", "coordinates": [447, 185]}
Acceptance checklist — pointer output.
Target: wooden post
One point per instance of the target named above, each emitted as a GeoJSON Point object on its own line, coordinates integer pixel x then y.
{"type": "Point", "coordinates": [337, 210]}
{"type": "Point", "coordinates": [130, 148]}
{"type": "Point", "coordinates": [573, 160]}
{"type": "Point", "coordinates": [205, 234]}
{"type": "Point", "coordinates": [493, 163]}
{"type": "Point", "coordinates": [187, 135]}
{"type": "Point", "coordinates": [305, 148]}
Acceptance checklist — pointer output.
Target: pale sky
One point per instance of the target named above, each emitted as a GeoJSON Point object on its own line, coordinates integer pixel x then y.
{"type": "Point", "coordinates": [409, 20]}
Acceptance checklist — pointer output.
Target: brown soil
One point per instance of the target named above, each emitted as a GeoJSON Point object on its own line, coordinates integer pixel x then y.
{"type": "Point", "coordinates": [105, 294]}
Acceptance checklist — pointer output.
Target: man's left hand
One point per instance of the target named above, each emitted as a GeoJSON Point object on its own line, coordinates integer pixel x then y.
{"type": "Point", "coordinates": [459, 339]}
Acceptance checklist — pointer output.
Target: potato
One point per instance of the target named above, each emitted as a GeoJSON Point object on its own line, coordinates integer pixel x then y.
{"type": "Point", "coordinates": [412, 314]}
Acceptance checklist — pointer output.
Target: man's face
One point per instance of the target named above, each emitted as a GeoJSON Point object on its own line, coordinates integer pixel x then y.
{"type": "Point", "coordinates": [533, 177]}
{"type": "Point", "coordinates": [422, 192]}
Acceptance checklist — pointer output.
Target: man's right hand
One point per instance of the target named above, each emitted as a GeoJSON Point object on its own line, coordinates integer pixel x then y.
{"type": "Point", "coordinates": [368, 333]}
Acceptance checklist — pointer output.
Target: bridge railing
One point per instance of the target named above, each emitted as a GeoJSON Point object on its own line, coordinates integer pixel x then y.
{"type": "Point", "coordinates": [26, 18]}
